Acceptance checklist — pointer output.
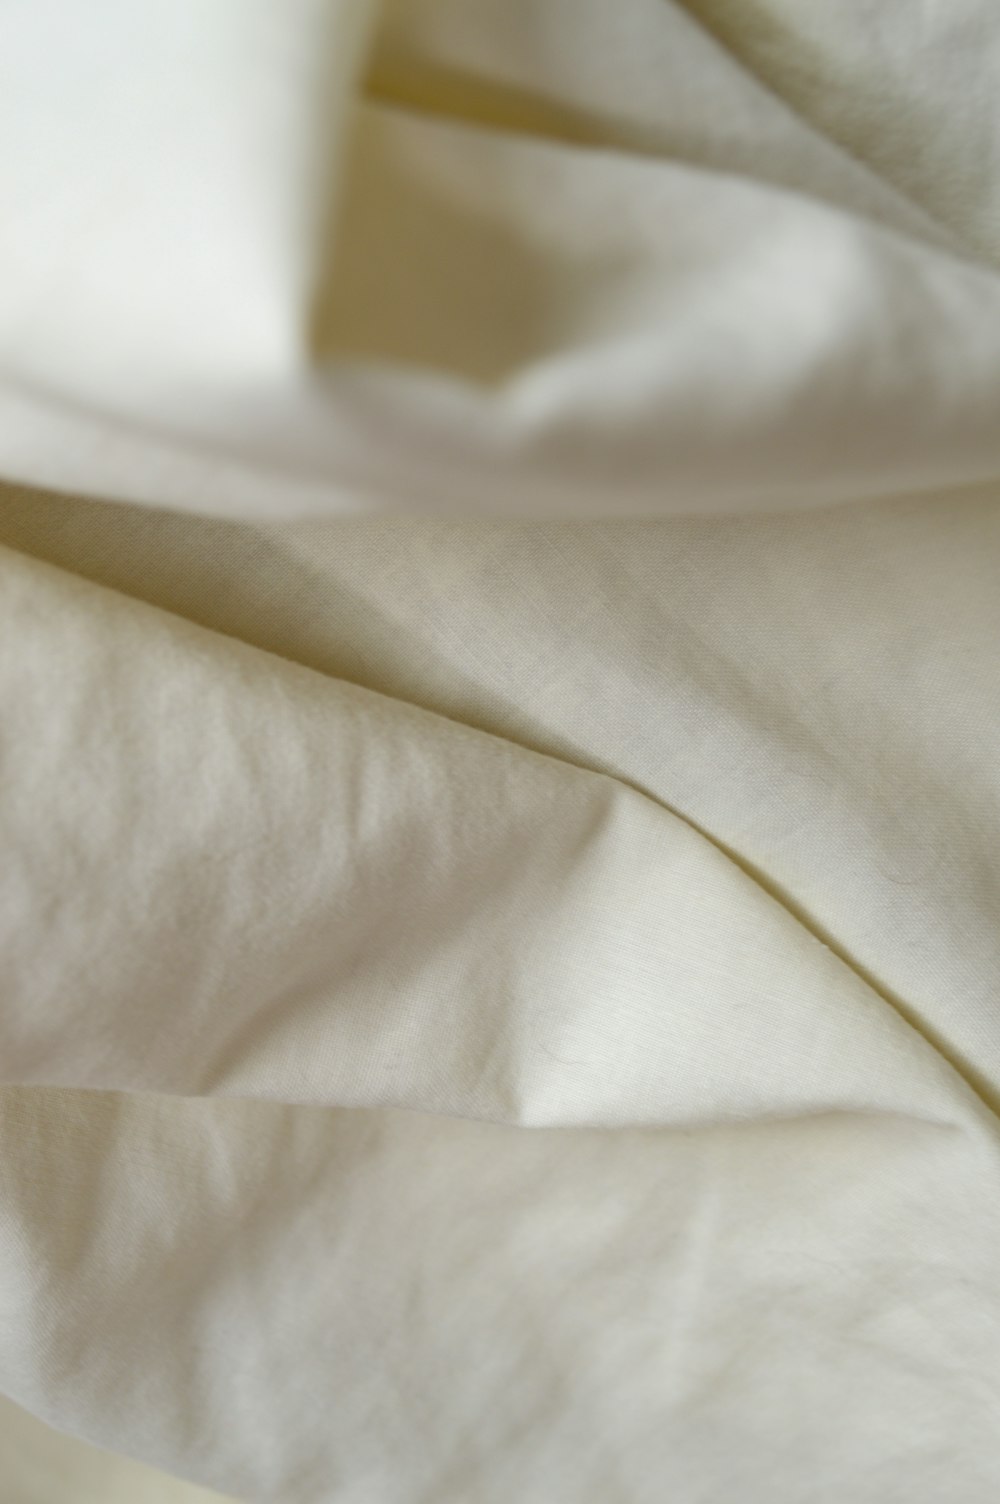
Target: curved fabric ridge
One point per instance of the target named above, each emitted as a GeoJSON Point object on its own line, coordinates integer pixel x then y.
{"type": "Point", "coordinates": [262, 882]}
{"type": "Point", "coordinates": [198, 308]}
{"type": "Point", "coordinates": [301, 1244]}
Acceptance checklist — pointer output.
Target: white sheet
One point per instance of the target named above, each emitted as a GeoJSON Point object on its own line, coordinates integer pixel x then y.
{"type": "Point", "coordinates": [499, 1007]}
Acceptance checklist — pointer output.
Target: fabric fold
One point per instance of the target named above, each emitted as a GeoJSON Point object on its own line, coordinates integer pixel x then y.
{"type": "Point", "coordinates": [247, 289]}
{"type": "Point", "coordinates": [501, 1010]}
{"type": "Point", "coordinates": [259, 881]}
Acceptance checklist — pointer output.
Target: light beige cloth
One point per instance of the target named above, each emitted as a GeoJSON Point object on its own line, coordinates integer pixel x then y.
{"type": "Point", "coordinates": [498, 1005]}
{"type": "Point", "coordinates": [498, 256]}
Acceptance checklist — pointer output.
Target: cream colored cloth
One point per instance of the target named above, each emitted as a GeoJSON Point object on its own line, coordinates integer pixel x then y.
{"type": "Point", "coordinates": [40, 1465]}
{"type": "Point", "coordinates": [501, 1009]}
{"type": "Point", "coordinates": [497, 256]}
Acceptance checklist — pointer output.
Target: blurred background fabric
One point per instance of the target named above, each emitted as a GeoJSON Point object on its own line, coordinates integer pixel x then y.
{"type": "Point", "coordinates": [531, 257]}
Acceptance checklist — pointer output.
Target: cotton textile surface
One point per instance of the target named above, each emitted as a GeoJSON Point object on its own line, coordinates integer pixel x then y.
{"type": "Point", "coordinates": [499, 780]}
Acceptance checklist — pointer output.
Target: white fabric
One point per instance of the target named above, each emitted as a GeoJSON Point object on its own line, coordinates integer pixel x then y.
{"type": "Point", "coordinates": [499, 1009]}
{"type": "Point", "coordinates": [39, 1465]}
{"type": "Point", "coordinates": [752, 1233]}
{"type": "Point", "coordinates": [268, 260]}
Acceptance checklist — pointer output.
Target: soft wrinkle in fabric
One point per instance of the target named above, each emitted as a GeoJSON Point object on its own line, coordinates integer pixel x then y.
{"type": "Point", "coordinates": [499, 710]}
